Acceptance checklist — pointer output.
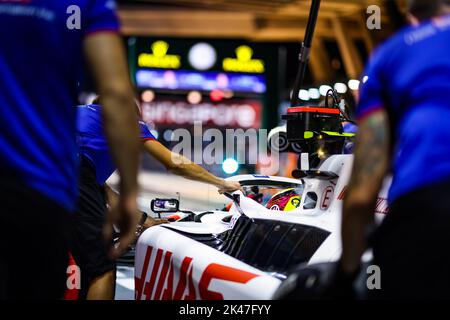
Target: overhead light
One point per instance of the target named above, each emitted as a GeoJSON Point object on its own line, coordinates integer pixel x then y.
{"type": "Point", "coordinates": [303, 95]}
{"type": "Point", "coordinates": [340, 87]}
{"type": "Point", "coordinates": [324, 89]}
{"type": "Point", "coordinates": [353, 84]}
{"type": "Point", "coordinates": [314, 93]}
{"type": "Point", "coordinates": [230, 166]}
{"type": "Point", "coordinates": [148, 96]}
{"type": "Point", "coordinates": [364, 80]}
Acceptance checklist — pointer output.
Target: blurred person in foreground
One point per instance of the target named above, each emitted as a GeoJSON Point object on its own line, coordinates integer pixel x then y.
{"type": "Point", "coordinates": [403, 117]}
{"type": "Point", "coordinates": [40, 64]}
{"type": "Point", "coordinates": [97, 270]}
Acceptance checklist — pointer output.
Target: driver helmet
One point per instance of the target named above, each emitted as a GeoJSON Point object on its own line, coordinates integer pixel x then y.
{"type": "Point", "coordinates": [286, 200]}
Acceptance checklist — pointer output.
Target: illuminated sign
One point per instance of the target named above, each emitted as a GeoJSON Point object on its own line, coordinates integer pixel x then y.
{"type": "Point", "coordinates": [237, 113]}
{"type": "Point", "coordinates": [159, 57]}
{"type": "Point", "coordinates": [194, 80]}
{"type": "Point", "coordinates": [243, 62]}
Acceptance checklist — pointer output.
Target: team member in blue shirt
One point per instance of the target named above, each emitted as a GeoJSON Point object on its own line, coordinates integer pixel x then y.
{"type": "Point", "coordinates": [404, 128]}
{"type": "Point", "coordinates": [43, 45]}
{"type": "Point", "coordinates": [97, 270]}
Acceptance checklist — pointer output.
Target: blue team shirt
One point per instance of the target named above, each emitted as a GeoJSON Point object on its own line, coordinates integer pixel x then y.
{"type": "Point", "coordinates": [92, 142]}
{"type": "Point", "coordinates": [409, 76]}
{"type": "Point", "coordinates": [40, 63]}
{"type": "Point", "coordinates": [349, 145]}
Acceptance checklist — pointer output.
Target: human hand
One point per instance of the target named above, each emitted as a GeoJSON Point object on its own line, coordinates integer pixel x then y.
{"type": "Point", "coordinates": [151, 222]}
{"type": "Point", "coordinates": [229, 186]}
{"type": "Point", "coordinates": [124, 217]}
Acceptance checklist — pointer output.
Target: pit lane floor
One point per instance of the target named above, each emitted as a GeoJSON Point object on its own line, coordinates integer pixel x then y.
{"type": "Point", "coordinates": [125, 283]}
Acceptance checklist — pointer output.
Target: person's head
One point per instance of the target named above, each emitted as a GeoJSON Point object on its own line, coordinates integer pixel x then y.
{"type": "Point", "coordinates": [286, 200]}
{"type": "Point", "coordinates": [420, 10]}
{"type": "Point", "coordinates": [96, 100]}
{"type": "Point", "coordinates": [138, 108]}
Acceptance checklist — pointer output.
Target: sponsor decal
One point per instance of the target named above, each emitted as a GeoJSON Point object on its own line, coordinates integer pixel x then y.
{"type": "Point", "coordinates": [221, 272]}
{"type": "Point", "coordinates": [159, 57]}
{"type": "Point", "coordinates": [342, 194]}
{"type": "Point", "coordinates": [243, 62]}
{"type": "Point", "coordinates": [295, 202]}
{"type": "Point", "coordinates": [382, 205]}
{"type": "Point", "coordinates": [326, 198]}
{"type": "Point", "coordinates": [233, 221]}
{"type": "Point", "coordinates": [172, 281]}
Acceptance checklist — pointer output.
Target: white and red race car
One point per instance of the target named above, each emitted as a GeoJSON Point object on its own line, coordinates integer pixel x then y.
{"type": "Point", "coordinates": [247, 251]}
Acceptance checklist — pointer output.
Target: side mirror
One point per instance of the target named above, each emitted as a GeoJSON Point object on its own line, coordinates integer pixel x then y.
{"type": "Point", "coordinates": [165, 205]}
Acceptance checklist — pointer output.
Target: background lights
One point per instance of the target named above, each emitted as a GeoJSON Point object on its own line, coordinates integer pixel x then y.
{"type": "Point", "coordinates": [324, 89]}
{"type": "Point", "coordinates": [168, 135]}
{"type": "Point", "coordinates": [194, 97]}
{"type": "Point", "coordinates": [314, 93]}
{"type": "Point", "coordinates": [354, 84]}
{"type": "Point", "coordinates": [148, 96]}
{"type": "Point", "coordinates": [304, 95]}
{"type": "Point", "coordinates": [228, 94]}
{"type": "Point", "coordinates": [230, 166]}
{"type": "Point", "coordinates": [216, 95]}
{"type": "Point", "coordinates": [340, 87]}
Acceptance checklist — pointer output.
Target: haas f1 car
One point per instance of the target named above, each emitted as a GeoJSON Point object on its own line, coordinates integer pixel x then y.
{"type": "Point", "coordinates": [250, 249]}
{"type": "Point", "coordinates": [276, 225]}
{"type": "Point", "coordinates": [247, 250]}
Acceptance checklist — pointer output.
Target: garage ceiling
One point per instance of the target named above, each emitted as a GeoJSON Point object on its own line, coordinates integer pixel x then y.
{"type": "Point", "coordinates": [262, 20]}
{"type": "Point", "coordinates": [257, 20]}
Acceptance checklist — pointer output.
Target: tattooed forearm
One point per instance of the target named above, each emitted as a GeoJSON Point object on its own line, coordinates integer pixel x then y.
{"type": "Point", "coordinates": [372, 152]}
{"type": "Point", "coordinates": [370, 166]}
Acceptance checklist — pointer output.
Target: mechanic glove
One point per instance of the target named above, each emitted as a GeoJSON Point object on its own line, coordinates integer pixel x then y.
{"type": "Point", "coordinates": [341, 284]}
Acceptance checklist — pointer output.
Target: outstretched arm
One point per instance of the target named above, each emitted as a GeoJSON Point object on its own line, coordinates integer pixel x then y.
{"type": "Point", "coordinates": [182, 166]}
{"type": "Point", "coordinates": [371, 163]}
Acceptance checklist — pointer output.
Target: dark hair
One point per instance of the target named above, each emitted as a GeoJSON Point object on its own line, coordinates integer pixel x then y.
{"type": "Point", "coordinates": [426, 9]}
{"type": "Point", "coordinates": [96, 100]}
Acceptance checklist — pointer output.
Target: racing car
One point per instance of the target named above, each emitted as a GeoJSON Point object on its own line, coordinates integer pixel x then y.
{"type": "Point", "coordinates": [252, 248]}
{"type": "Point", "coordinates": [247, 250]}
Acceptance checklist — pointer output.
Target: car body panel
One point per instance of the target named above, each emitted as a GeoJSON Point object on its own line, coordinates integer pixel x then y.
{"type": "Point", "coordinates": [219, 247]}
